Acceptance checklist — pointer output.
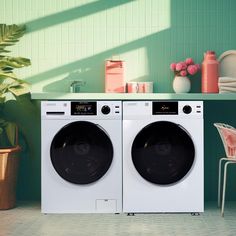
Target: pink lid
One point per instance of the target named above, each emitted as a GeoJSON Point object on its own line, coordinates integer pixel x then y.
{"type": "Point", "coordinates": [210, 52]}
{"type": "Point", "coordinates": [210, 55]}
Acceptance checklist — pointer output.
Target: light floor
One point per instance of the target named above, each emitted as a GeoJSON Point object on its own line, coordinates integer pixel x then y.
{"type": "Point", "coordinates": [27, 220]}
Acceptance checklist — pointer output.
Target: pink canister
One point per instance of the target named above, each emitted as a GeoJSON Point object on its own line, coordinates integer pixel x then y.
{"type": "Point", "coordinates": [114, 76]}
{"type": "Point", "coordinates": [140, 87]}
{"type": "Point", "coordinates": [148, 87]}
{"type": "Point", "coordinates": [210, 73]}
{"type": "Point", "coordinates": [132, 87]}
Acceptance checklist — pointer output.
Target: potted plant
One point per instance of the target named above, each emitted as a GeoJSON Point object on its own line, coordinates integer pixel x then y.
{"type": "Point", "coordinates": [182, 70]}
{"type": "Point", "coordinates": [10, 87]}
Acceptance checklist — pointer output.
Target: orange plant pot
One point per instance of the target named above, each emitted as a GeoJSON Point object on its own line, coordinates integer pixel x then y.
{"type": "Point", "coordinates": [9, 162]}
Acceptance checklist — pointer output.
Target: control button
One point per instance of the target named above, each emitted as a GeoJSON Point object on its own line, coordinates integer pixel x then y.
{"type": "Point", "coordinates": [105, 110]}
{"type": "Point", "coordinates": [187, 109]}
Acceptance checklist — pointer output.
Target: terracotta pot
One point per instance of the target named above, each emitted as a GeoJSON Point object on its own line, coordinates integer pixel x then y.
{"type": "Point", "coordinates": [9, 162]}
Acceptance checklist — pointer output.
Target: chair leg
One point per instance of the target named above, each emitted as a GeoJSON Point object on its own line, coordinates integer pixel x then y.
{"type": "Point", "coordinates": [219, 180]}
{"type": "Point", "coordinates": [224, 187]}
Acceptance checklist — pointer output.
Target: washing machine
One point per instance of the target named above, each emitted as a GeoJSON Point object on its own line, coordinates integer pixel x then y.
{"type": "Point", "coordinates": [163, 156]}
{"type": "Point", "coordinates": [81, 165]}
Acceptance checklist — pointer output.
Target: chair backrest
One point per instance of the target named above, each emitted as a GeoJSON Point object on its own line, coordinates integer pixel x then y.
{"type": "Point", "coordinates": [228, 137]}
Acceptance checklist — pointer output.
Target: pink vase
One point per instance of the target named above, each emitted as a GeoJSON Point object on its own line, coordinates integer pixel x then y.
{"type": "Point", "coordinates": [210, 73]}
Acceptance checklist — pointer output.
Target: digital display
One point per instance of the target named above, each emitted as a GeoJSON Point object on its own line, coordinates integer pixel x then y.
{"type": "Point", "coordinates": [165, 108]}
{"type": "Point", "coordinates": [83, 108]}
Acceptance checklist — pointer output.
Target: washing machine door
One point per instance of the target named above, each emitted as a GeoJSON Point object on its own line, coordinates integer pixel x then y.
{"type": "Point", "coordinates": [163, 153]}
{"type": "Point", "coordinates": [81, 152]}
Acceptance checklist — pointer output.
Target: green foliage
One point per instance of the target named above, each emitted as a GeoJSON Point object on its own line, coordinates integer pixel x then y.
{"type": "Point", "coordinates": [9, 83]}
{"type": "Point", "coordinates": [9, 35]}
{"type": "Point", "coordinates": [8, 134]}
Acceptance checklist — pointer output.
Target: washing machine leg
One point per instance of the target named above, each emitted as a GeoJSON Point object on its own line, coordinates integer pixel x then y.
{"type": "Point", "coordinates": [130, 214]}
{"type": "Point", "coordinates": [195, 214]}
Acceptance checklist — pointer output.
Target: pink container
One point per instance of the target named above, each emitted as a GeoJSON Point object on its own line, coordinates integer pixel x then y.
{"type": "Point", "coordinates": [114, 77]}
{"type": "Point", "coordinates": [132, 87]}
{"type": "Point", "coordinates": [210, 73]}
{"type": "Point", "coordinates": [140, 87]}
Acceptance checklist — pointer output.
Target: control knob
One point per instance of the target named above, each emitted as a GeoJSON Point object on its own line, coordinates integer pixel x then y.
{"type": "Point", "coordinates": [187, 109]}
{"type": "Point", "coordinates": [105, 110]}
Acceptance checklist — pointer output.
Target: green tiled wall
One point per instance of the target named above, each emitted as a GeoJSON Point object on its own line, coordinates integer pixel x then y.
{"type": "Point", "coordinates": [69, 40]}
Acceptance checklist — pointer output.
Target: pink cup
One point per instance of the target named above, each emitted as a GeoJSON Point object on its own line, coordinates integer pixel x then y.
{"type": "Point", "coordinates": [140, 87]}
{"type": "Point", "coordinates": [132, 87]}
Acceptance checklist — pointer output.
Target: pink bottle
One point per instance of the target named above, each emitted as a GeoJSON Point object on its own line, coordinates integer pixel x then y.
{"type": "Point", "coordinates": [114, 76]}
{"type": "Point", "coordinates": [210, 73]}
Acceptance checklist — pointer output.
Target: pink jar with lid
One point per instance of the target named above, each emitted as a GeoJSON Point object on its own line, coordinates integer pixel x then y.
{"type": "Point", "coordinates": [114, 76]}
{"type": "Point", "coordinates": [210, 73]}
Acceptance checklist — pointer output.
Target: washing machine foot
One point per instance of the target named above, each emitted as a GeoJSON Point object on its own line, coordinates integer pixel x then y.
{"type": "Point", "coordinates": [195, 214]}
{"type": "Point", "coordinates": [130, 214]}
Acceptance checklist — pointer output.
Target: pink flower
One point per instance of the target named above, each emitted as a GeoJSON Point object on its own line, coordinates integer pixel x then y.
{"type": "Point", "coordinates": [189, 61]}
{"type": "Point", "coordinates": [173, 66]}
{"type": "Point", "coordinates": [192, 69]}
{"type": "Point", "coordinates": [184, 65]}
{"type": "Point", "coordinates": [178, 66]}
{"type": "Point", "coordinates": [183, 72]}
{"type": "Point", "coordinates": [198, 66]}
{"type": "Point", "coordinates": [185, 68]}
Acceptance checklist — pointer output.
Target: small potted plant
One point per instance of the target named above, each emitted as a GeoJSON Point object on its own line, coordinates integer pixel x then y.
{"type": "Point", "coordinates": [182, 70]}
{"type": "Point", "coordinates": [10, 86]}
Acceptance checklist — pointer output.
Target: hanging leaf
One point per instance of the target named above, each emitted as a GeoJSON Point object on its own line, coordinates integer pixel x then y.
{"type": "Point", "coordinates": [14, 62]}
{"type": "Point", "coordinates": [9, 34]}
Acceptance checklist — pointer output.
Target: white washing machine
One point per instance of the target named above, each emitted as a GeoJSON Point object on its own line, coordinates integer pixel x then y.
{"type": "Point", "coordinates": [81, 156]}
{"type": "Point", "coordinates": [163, 156]}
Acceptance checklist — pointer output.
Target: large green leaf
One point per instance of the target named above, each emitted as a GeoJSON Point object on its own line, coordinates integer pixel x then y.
{"type": "Point", "coordinates": [9, 35]}
{"type": "Point", "coordinates": [7, 74]}
{"type": "Point", "coordinates": [14, 62]}
{"type": "Point", "coordinates": [11, 131]}
{"type": "Point", "coordinates": [8, 134]}
{"type": "Point", "coordinates": [13, 85]}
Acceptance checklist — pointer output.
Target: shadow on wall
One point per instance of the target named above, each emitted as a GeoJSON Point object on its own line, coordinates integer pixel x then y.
{"type": "Point", "coordinates": [89, 65]}
{"type": "Point", "coordinates": [72, 14]}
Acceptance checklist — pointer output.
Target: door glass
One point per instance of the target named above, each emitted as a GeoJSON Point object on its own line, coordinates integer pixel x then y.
{"type": "Point", "coordinates": [81, 152]}
{"type": "Point", "coordinates": [163, 153]}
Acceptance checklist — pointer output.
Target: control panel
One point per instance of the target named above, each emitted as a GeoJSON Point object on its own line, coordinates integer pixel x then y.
{"type": "Point", "coordinates": [83, 109]}
{"type": "Point", "coordinates": [137, 110]}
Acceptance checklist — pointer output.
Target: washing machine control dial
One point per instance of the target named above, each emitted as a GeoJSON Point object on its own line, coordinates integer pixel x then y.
{"type": "Point", "coordinates": [187, 109]}
{"type": "Point", "coordinates": [105, 110]}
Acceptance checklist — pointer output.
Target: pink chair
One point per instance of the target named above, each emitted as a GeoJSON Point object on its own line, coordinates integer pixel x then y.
{"type": "Point", "coordinates": [228, 137]}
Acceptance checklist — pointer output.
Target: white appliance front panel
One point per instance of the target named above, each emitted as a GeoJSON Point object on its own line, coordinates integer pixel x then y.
{"type": "Point", "coordinates": [139, 195]}
{"type": "Point", "coordinates": [60, 196]}
{"type": "Point", "coordinates": [62, 111]}
{"type": "Point", "coordinates": [142, 110]}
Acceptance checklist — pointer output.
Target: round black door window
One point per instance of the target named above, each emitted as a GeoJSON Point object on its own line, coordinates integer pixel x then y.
{"type": "Point", "coordinates": [163, 152]}
{"type": "Point", "coordinates": [81, 152]}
